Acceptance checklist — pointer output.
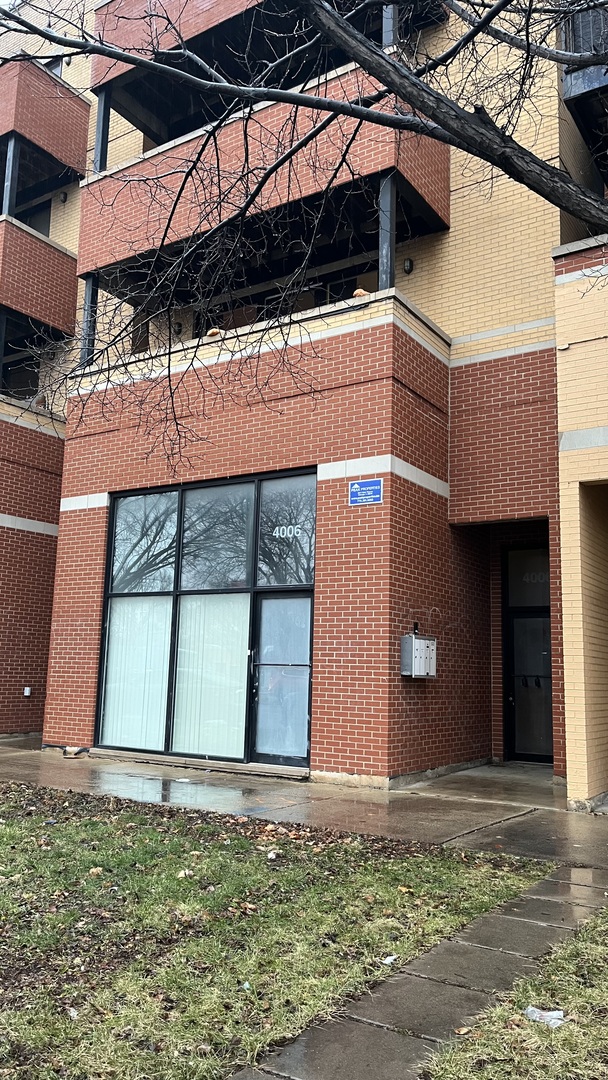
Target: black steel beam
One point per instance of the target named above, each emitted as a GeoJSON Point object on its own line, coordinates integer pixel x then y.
{"type": "Point", "coordinates": [11, 175]}
{"type": "Point", "coordinates": [387, 207]}
{"type": "Point", "coordinates": [89, 319]}
{"type": "Point", "coordinates": [102, 129]}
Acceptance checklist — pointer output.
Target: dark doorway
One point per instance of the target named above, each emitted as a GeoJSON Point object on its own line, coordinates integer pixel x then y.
{"type": "Point", "coordinates": [527, 656]}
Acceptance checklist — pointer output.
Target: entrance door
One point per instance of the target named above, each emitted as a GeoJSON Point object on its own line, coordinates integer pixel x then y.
{"type": "Point", "coordinates": [527, 657]}
{"type": "Point", "coordinates": [281, 679]}
{"type": "Point", "coordinates": [529, 688]}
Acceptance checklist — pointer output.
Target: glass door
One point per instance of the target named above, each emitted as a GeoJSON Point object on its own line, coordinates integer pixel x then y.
{"type": "Point", "coordinates": [527, 656]}
{"type": "Point", "coordinates": [530, 687]}
{"type": "Point", "coordinates": [281, 679]}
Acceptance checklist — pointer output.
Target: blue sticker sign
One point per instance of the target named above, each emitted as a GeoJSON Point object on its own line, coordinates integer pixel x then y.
{"type": "Point", "coordinates": [364, 492]}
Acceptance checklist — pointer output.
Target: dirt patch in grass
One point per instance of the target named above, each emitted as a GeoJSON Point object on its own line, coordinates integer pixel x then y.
{"type": "Point", "coordinates": [507, 1046]}
{"type": "Point", "coordinates": [155, 943]}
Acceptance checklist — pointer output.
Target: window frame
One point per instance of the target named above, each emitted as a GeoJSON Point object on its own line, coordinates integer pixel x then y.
{"type": "Point", "coordinates": [253, 590]}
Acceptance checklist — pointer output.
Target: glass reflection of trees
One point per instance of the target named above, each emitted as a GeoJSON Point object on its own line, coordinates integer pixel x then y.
{"type": "Point", "coordinates": [217, 537]}
{"type": "Point", "coordinates": [289, 502]}
{"type": "Point", "coordinates": [218, 527]}
{"type": "Point", "coordinates": [144, 543]}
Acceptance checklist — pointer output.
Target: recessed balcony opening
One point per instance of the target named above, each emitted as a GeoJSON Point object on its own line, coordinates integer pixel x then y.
{"type": "Point", "coordinates": [298, 257]}
{"type": "Point", "coordinates": [23, 346]}
{"type": "Point", "coordinates": [586, 91]}
{"type": "Point", "coordinates": [262, 44]}
{"type": "Point", "coordinates": [34, 175]}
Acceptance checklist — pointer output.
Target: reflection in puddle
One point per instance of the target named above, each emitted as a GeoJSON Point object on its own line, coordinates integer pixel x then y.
{"type": "Point", "coordinates": [200, 796]}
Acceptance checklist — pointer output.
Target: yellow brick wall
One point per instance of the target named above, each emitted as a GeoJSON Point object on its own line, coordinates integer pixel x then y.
{"type": "Point", "coordinates": [65, 217]}
{"type": "Point", "coordinates": [581, 323]}
{"type": "Point", "coordinates": [584, 531]}
{"type": "Point", "coordinates": [581, 310]}
{"type": "Point", "coordinates": [493, 268]}
{"type": "Point", "coordinates": [594, 575]}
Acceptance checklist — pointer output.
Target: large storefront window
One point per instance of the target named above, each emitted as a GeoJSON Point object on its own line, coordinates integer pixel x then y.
{"type": "Point", "coordinates": [208, 621]}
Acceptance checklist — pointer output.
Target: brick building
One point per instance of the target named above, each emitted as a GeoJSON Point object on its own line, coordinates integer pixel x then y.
{"type": "Point", "coordinates": [43, 140]}
{"type": "Point", "coordinates": [247, 606]}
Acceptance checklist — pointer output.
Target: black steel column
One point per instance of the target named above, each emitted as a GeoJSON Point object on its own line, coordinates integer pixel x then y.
{"type": "Point", "coordinates": [390, 33]}
{"type": "Point", "coordinates": [387, 212]}
{"type": "Point", "coordinates": [89, 319]}
{"type": "Point", "coordinates": [102, 129]}
{"type": "Point", "coordinates": [2, 345]}
{"type": "Point", "coordinates": [11, 173]}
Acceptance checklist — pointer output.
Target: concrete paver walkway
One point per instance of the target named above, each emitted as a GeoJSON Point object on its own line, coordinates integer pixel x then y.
{"type": "Point", "coordinates": [394, 1031]}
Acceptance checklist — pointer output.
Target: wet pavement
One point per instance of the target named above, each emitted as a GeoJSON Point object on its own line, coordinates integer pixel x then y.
{"type": "Point", "coordinates": [392, 1031]}
{"type": "Point", "coordinates": [514, 784]}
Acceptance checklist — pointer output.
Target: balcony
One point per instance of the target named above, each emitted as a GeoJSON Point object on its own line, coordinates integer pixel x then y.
{"type": "Point", "coordinates": [249, 42]}
{"type": "Point", "coordinates": [49, 115]}
{"type": "Point", "coordinates": [43, 145]}
{"type": "Point", "coordinates": [37, 277]}
{"type": "Point", "coordinates": [38, 288]}
{"type": "Point", "coordinates": [125, 213]}
{"type": "Point", "coordinates": [586, 91]}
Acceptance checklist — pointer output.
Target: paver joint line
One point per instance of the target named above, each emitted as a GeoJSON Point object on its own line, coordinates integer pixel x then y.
{"type": "Point", "coordinates": [390, 1027]}
{"type": "Point", "coordinates": [533, 922]}
{"type": "Point", "coordinates": [489, 948]}
{"type": "Point", "coordinates": [500, 821]}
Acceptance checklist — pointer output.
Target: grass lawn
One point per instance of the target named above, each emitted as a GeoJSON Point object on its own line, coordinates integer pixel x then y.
{"type": "Point", "coordinates": [506, 1046]}
{"type": "Point", "coordinates": [153, 943]}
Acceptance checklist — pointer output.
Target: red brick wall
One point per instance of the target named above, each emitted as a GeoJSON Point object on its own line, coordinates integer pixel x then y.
{"type": "Point", "coordinates": [380, 571]}
{"type": "Point", "coordinates": [128, 211]}
{"type": "Point", "coordinates": [439, 579]}
{"type": "Point", "coordinates": [504, 467]}
{"type": "Point", "coordinates": [30, 477]}
{"type": "Point", "coordinates": [350, 415]}
{"type": "Point", "coordinates": [377, 567]}
{"type": "Point", "coordinates": [581, 260]}
{"type": "Point", "coordinates": [30, 481]}
{"type": "Point", "coordinates": [76, 629]}
{"type": "Point", "coordinates": [36, 278]}
{"type": "Point", "coordinates": [503, 445]}
{"type": "Point", "coordinates": [44, 110]}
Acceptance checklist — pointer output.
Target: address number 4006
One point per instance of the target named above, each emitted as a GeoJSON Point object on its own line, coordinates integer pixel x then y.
{"type": "Point", "coordinates": [287, 531]}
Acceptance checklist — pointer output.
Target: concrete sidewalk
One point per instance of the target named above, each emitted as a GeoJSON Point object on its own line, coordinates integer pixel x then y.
{"type": "Point", "coordinates": [514, 809]}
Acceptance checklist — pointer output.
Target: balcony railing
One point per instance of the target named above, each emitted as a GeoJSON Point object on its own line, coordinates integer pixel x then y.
{"type": "Point", "coordinates": [585, 91]}
{"type": "Point", "coordinates": [587, 31]}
